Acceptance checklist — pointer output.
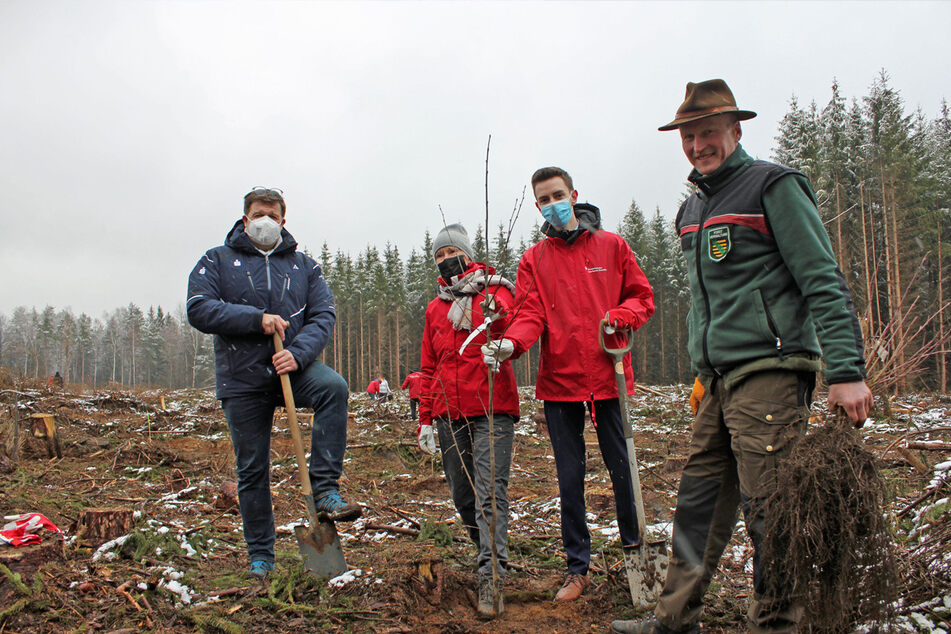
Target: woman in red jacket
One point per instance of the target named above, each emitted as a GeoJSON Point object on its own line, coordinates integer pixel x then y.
{"type": "Point", "coordinates": [456, 396]}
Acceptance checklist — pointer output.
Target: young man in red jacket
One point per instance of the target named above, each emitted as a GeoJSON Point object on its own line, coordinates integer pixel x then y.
{"type": "Point", "coordinates": [413, 383]}
{"type": "Point", "coordinates": [567, 283]}
{"type": "Point", "coordinates": [455, 395]}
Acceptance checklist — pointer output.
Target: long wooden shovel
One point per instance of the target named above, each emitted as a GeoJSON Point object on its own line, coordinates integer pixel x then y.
{"type": "Point", "coordinates": [645, 562]}
{"type": "Point", "coordinates": [319, 543]}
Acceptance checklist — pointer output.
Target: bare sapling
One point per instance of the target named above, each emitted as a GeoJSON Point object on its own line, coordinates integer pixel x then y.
{"type": "Point", "coordinates": [900, 347]}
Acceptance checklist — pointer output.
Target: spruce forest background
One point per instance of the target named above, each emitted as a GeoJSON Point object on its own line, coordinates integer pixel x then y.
{"type": "Point", "coordinates": [882, 178]}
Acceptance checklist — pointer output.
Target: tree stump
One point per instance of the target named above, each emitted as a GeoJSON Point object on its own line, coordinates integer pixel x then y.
{"type": "Point", "coordinates": [427, 580]}
{"type": "Point", "coordinates": [97, 526]}
{"type": "Point", "coordinates": [175, 480]}
{"type": "Point", "coordinates": [26, 561]}
{"type": "Point", "coordinates": [45, 427]}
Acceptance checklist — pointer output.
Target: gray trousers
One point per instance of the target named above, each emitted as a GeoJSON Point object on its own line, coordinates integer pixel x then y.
{"type": "Point", "coordinates": [464, 444]}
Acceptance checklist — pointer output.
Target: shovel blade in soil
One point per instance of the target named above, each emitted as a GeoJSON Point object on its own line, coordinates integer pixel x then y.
{"type": "Point", "coordinates": [646, 566]}
{"type": "Point", "coordinates": [320, 548]}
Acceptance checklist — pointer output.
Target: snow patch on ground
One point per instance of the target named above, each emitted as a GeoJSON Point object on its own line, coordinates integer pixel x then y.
{"type": "Point", "coordinates": [347, 577]}
{"type": "Point", "coordinates": [105, 551]}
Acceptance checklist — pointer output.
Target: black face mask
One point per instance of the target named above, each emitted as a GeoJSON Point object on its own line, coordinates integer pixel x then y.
{"type": "Point", "coordinates": [451, 267]}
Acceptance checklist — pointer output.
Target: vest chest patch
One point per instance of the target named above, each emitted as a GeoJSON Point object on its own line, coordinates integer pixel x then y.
{"type": "Point", "coordinates": [718, 242]}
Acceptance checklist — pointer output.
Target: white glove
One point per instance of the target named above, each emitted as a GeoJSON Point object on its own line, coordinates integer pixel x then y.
{"type": "Point", "coordinates": [426, 439]}
{"type": "Point", "coordinates": [495, 352]}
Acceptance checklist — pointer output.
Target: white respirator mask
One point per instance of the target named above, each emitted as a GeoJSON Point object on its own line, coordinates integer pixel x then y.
{"type": "Point", "coordinates": [264, 231]}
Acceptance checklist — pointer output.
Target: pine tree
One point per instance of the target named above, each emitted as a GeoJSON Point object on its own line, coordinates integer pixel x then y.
{"type": "Point", "coordinates": [478, 244]}
{"type": "Point", "coordinates": [832, 181]}
{"type": "Point", "coordinates": [504, 259]}
{"type": "Point", "coordinates": [133, 323]}
{"type": "Point", "coordinates": [84, 342]}
{"type": "Point", "coordinates": [395, 300]}
{"type": "Point", "coordinates": [633, 229]}
{"type": "Point", "coordinates": [66, 332]}
{"type": "Point", "coordinates": [45, 340]}
{"type": "Point", "coordinates": [797, 143]}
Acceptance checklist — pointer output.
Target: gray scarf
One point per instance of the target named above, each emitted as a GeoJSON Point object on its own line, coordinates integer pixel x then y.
{"type": "Point", "coordinates": [462, 292]}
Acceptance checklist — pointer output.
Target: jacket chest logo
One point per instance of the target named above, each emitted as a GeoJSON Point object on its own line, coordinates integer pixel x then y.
{"type": "Point", "coordinates": [237, 263]}
{"type": "Point", "coordinates": [718, 242]}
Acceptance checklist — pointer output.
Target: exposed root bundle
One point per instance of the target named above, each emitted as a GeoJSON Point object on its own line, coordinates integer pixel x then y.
{"type": "Point", "coordinates": [827, 534]}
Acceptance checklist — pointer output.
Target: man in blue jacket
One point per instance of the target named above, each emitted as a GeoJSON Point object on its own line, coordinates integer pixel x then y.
{"type": "Point", "coordinates": [243, 292]}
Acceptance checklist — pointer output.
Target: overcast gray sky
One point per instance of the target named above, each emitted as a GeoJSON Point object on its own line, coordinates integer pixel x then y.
{"type": "Point", "coordinates": [131, 130]}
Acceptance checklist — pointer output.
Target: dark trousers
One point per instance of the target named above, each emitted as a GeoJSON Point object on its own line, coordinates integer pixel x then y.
{"type": "Point", "coordinates": [250, 418]}
{"type": "Point", "coordinates": [413, 403]}
{"type": "Point", "coordinates": [566, 429]}
{"type": "Point", "coordinates": [739, 436]}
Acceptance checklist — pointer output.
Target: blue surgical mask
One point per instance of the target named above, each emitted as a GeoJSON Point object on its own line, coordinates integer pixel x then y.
{"type": "Point", "coordinates": [558, 214]}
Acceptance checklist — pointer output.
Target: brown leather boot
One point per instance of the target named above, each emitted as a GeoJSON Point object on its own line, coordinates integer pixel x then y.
{"type": "Point", "coordinates": [574, 587]}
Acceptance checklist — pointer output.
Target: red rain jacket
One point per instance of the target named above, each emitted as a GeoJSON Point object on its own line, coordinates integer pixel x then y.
{"type": "Point", "coordinates": [564, 291]}
{"type": "Point", "coordinates": [413, 381]}
{"type": "Point", "coordinates": [455, 386]}
{"type": "Point", "coordinates": [373, 387]}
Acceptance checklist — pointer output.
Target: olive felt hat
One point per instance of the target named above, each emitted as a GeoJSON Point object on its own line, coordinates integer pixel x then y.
{"type": "Point", "coordinates": [706, 99]}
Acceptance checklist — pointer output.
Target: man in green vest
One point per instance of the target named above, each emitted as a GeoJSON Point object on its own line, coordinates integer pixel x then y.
{"type": "Point", "coordinates": [766, 293]}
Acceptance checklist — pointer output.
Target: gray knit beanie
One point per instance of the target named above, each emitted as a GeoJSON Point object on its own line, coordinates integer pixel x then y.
{"type": "Point", "coordinates": [453, 235]}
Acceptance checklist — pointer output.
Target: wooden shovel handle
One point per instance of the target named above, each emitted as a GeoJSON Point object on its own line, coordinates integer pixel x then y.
{"type": "Point", "coordinates": [292, 421]}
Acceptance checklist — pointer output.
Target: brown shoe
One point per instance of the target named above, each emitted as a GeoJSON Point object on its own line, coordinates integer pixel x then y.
{"type": "Point", "coordinates": [574, 587]}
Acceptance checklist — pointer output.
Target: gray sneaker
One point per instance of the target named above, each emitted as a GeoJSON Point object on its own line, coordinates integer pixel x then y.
{"type": "Point", "coordinates": [487, 609]}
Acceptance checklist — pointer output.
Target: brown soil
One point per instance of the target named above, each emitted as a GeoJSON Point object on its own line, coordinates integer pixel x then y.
{"type": "Point", "coordinates": [120, 450]}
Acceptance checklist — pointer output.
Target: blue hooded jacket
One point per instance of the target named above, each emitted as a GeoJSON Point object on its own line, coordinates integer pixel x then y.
{"type": "Point", "coordinates": [231, 288]}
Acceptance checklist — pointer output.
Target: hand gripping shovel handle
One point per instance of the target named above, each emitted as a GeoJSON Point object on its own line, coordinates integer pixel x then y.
{"type": "Point", "coordinates": [617, 354]}
{"type": "Point", "coordinates": [306, 490]}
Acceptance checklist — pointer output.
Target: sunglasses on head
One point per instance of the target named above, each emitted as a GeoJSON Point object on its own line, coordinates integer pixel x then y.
{"type": "Point", "coordinates": [265, 192]}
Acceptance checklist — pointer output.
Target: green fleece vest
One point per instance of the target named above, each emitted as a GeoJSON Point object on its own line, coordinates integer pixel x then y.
{"type": "Point", "coordinates": [747, 310]}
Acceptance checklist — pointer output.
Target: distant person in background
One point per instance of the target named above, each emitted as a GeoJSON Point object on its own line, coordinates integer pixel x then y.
{"type": "Point", "coordinates": [55, 381]}
{"type": "Point", "coordinates": [412, 383]}
{"type": "Point", "coordinates": [373, 389]}
{"type": "Point", "coordinates": [765, 293]}
{"type": "Point", "coordinates": [384, 389]}
{"type": "Point", "coordinates": [243, 292]}
{"type": "Point", "coordinates": [455, 395]}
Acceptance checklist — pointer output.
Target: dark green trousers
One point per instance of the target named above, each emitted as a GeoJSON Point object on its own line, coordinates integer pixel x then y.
{"type": "Point", "coordinates": [739, 435]}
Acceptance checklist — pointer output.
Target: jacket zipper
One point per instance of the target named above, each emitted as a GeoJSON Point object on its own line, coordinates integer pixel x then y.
{"type": "Point", "coordinates": [285, 287]}
{"type": "Point", "coordinates": [703, 288]}
{"type": "Point", "coordinates": [267, 267]}
{"type": "Point", "coordinates": [774, 330]}
{"type": "Point", "coordinates": [251, 282]}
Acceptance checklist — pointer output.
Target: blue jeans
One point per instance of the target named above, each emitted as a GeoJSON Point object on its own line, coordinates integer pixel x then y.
{"type": "Point", "coordinates": [566, 429]}
{"type": "Point", "coordinates": [250, 418]}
